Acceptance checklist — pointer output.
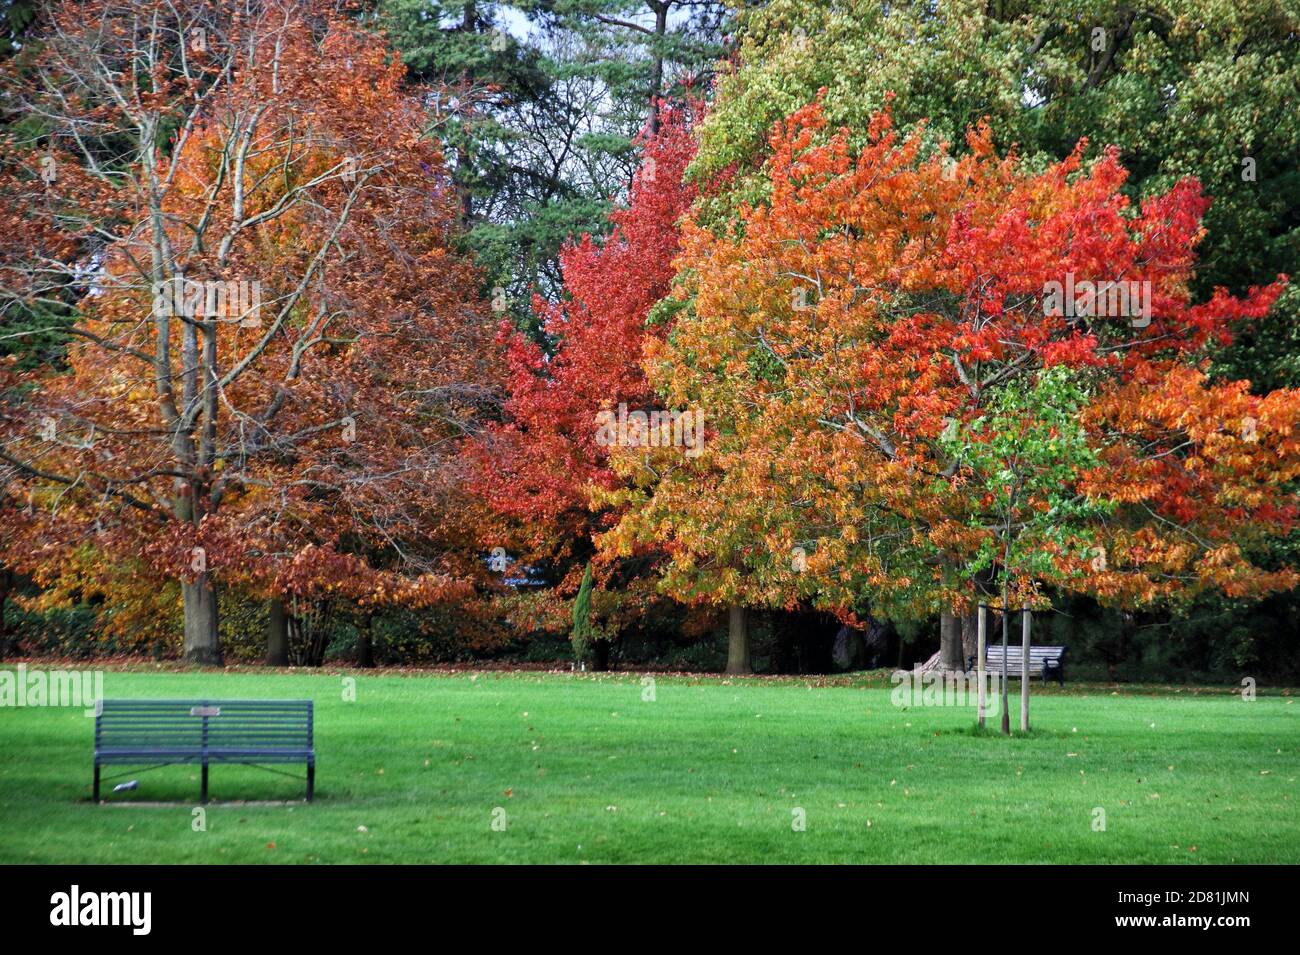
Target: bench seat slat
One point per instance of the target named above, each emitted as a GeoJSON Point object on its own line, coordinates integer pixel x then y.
{"type": "Point", "coordinates": [190, 756]}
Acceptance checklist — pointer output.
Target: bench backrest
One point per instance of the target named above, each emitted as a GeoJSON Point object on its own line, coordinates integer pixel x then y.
{"type": "Point", "coordinates": [1037, 655]}
{"type": "Point", "coordinates": [248, 725]}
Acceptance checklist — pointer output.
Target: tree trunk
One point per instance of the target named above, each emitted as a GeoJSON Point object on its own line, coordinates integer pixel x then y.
{"type": "Point", "coordinates": [468, 24]}
{"type": "Point", "coordinates": [1006, 617]}
{"type": "Point", "coordinates": [202, 642]}
{"type": "Point", "coordinates": [6, 586]}
{"type": "Point", "coordinates": [657, 62]}
{"type": "Point", "coordinates": [981, 685]}
{"type": "Point", "coordinates": [737, 641]}
{"type": "Point", "coordinates": [951, 654]}
{"type": "Point", "coordinates": [970, 624]}
{"type": "Point", "coordinates": [277, 633]}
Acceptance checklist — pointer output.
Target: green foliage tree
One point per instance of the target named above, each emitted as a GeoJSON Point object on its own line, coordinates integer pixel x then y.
{"type": "Point", "coordinates": [476, 69]}
{"type": "Point", "coordinates": [542, 103]}
{"type": "Point", "coordinates": [1025, 457]}
{"type": "Point", "coordinates": [653, 48]}
{"type": "Point", "coordinates": [15, 17]}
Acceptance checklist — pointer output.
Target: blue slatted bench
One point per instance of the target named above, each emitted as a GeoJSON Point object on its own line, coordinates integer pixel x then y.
{"type": "Point", "coordinates": [167, 732]}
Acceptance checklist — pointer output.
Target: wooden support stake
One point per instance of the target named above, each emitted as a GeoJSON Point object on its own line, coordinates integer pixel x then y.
{"type": "Point", "coordinates": [981, 642]}
{"type": "Point", "coordinates": [1024, 671]}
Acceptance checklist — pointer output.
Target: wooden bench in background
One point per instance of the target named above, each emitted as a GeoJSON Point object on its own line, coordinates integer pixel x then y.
{"type": "Point", "coordinates": [1050, 661]}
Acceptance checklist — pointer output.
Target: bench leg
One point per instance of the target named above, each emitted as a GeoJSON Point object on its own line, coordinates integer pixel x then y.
{"type": "Point", "coordinates": [96, 796]}
{"type": "Point", "coordinates": [203, 789]}
{"type": "Point", "coordinates": [311, 780]}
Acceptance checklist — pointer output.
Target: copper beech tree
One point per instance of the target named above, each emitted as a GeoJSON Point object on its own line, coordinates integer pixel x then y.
{"type": "Point", "coordinates": [274, 356]}
{"type": "Point", "coordinates": [842, 330]}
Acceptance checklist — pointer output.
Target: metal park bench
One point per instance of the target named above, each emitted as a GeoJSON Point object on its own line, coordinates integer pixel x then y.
{"type": "Point", "coordinates": [1050, 661]}
{"type": "Point", "coordinates": [169, 732]}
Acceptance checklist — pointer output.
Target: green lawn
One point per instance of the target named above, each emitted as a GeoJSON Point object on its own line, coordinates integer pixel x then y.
{"type": "Point", "coordinates": [709, 771]}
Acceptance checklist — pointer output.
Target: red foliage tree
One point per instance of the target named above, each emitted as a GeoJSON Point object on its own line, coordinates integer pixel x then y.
{"type": "Point", "coordinates": [545, 458]}
{"type": "Point", "coordinates": [539, 468]}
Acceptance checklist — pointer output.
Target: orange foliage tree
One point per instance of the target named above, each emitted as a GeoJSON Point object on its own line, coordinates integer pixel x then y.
{"type": "Point", "coordinates": [275, 354]}
{"type": "Point", "coordinates": [875, 303]}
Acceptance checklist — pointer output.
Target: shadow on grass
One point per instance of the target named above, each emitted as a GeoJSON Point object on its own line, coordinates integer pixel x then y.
{"type": "Point", "coordinates": [990, 731]}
